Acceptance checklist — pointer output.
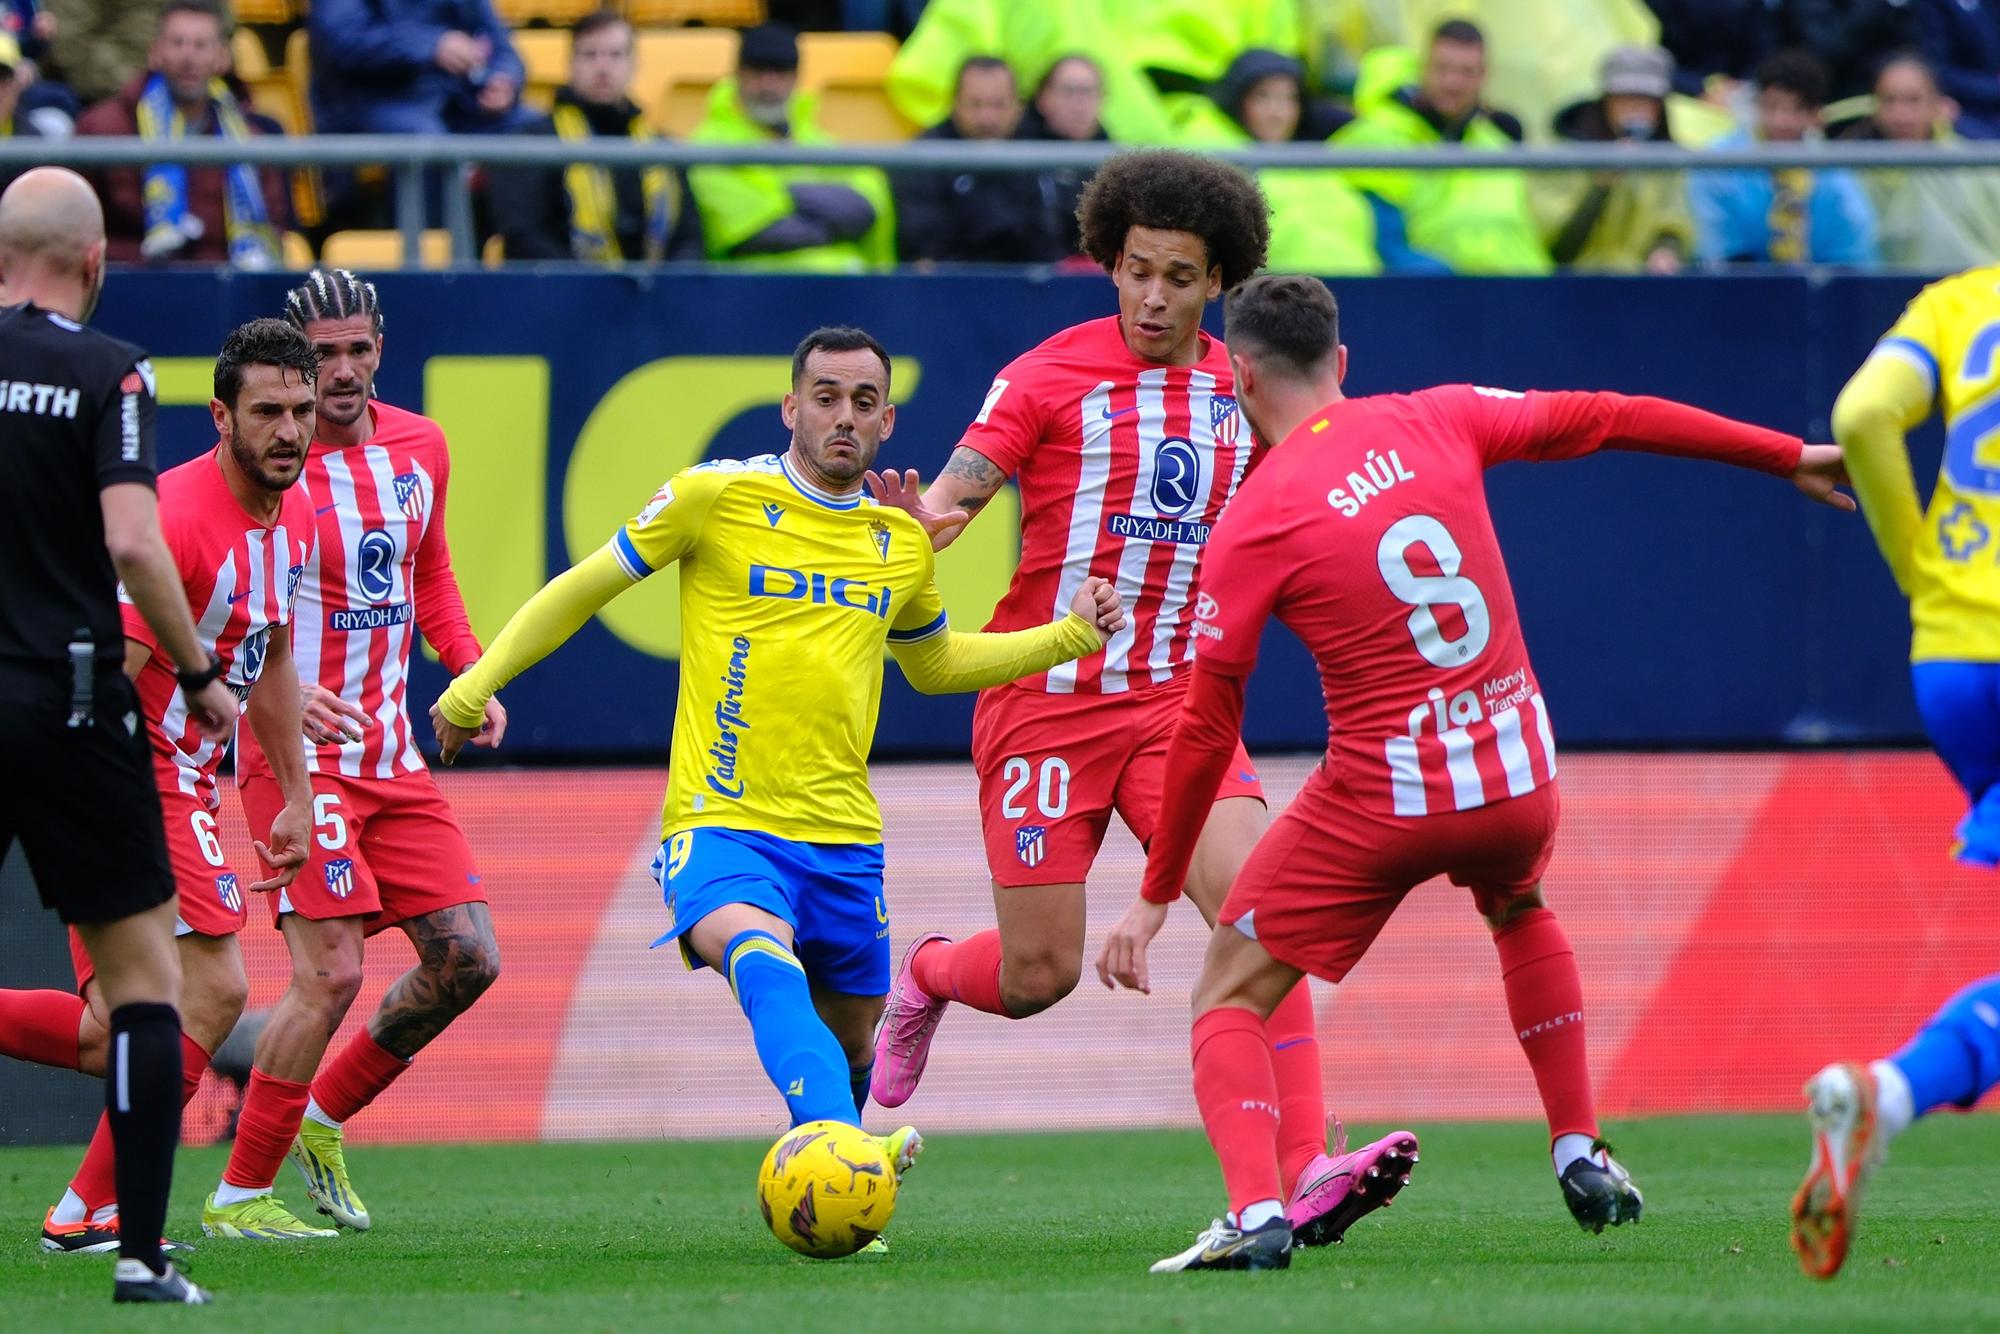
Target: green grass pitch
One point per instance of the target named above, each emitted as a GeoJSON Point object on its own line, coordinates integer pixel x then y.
{"type": "Point", "coordinates": [1055, 1233]}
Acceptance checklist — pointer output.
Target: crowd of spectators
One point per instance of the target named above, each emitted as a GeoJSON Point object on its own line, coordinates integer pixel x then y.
{"type": "Point", "coordinates": [1482, 75]}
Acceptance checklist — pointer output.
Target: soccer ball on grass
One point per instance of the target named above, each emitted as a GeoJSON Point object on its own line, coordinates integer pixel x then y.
{"type": "Point", "coordinates": [827, 1189]}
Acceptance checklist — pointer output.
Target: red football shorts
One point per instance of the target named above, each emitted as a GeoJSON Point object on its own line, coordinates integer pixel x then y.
{"type": "Point", "coordinates": [1327, 875]}
{"type": "Point", "coordinates": [209, 894]}
{"type": "Point", "coordinates": [387, 849]}
{"type": "Point", "coordinates": [1052, 768]}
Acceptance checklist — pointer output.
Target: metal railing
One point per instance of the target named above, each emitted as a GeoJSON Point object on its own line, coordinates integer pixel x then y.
{"type": "Point", "coordinates": [408, 157]}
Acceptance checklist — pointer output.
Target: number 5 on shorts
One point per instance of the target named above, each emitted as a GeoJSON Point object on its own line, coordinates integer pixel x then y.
{"type": "Point", "coordinates": [1051, 794]}
{"type": "Point", "coordinates": [329, 825]}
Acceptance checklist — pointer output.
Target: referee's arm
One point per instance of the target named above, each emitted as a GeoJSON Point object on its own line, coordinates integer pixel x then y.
{"type": "Point", "coordinates": [146, 568]}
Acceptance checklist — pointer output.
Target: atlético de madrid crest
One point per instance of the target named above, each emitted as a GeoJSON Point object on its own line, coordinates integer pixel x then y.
{"type": "Point", "coordinates": [410, 495]}
{"type": "Point", "coordinates": [1223, 419]}
{"type": "Point", "coordinates": [1030, 843]}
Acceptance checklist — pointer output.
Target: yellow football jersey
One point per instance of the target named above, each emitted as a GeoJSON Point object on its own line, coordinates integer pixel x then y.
{"type": "Point", "coordinates": [789, 596]}
{"type": "Point", "coordinates": [1950, 334]}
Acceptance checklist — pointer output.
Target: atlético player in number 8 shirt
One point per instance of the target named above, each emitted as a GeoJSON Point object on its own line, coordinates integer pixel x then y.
{"type": "Point", "coordinates": [1366, 532]}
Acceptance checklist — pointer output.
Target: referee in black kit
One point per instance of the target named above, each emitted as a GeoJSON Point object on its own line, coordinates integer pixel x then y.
{"type": "Point", "coordinates": [77, 515]}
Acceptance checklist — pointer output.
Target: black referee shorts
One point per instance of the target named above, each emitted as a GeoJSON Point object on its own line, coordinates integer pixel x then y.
{"type": "Point", "coordinates": [81, 800]}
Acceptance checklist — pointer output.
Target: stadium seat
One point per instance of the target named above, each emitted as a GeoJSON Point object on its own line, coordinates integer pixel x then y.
{"type": "Point", "coordinates": [364, 250]}
{"type": "Point", "coordinates": [270, 90]}
{"type": "Point", "coordinates": [494, 253]}
{"type": "Point", "coordinates": [266, 11]}
{"type": "Point", "coordinates": [544, 55]}
{"type": "Point", "coordinates": [688, 59]}
{"type": "Point", "coordinates": [298, 73]}
{"type": "Point", "coordinates": [298, 252]}
{"type": "Point", "coordinates": [862, 113]}
{"type": "Point", "coordinates": [559, 13]}
{"type": "Point", "coordinates": [714, 13]}
{"type": "Point", "coordinates": [830, 58]}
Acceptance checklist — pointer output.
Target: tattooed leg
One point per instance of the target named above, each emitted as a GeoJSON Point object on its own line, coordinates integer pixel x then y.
{"type": "Point", "coordinates": [458, 958]}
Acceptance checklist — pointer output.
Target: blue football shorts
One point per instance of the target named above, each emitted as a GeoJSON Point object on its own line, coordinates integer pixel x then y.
{"type": "Point", "coordinates": [1960, 706]}
{"type": "Point", "coordinates": [830, 894]}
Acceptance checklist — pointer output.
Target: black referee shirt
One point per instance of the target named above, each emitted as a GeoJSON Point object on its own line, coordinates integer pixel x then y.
{"type": "Point", "coordinates": [76, 416]}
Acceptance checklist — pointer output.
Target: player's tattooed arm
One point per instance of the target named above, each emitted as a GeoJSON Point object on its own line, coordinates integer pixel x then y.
{"type": "Point", "coordinates": [458, 958]}
{"type": "Point", "coordinates": [968, 481]}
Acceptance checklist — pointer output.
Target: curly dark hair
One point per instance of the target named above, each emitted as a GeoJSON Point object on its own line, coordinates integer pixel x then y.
{"type": "Point", "coordinates": [1173, 191]}
{"type": "Point", "coordinates": [262, 343]}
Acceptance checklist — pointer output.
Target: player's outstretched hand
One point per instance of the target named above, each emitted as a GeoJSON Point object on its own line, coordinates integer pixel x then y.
{"type": "Point", "coordinates": [328, 717]}
{"type": "Point", "coordinates": [1821, 469]}
{"type": "Point", "coordinates": [1098, 602]}
{"type": "Point", "coordinates": [1122, 961]}
{"type": "Point", "coordinates": [904, 491]}
{"type": "Point", "coordinates": [451, 737]}
{"type": "Point", "coordinates": [494, 728]}
{"type": "Point", "coordinates": [286, 852]}
{"type": "Point", "coordinates": [214, 711]}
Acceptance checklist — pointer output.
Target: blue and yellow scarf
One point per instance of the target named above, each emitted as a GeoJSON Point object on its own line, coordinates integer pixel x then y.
{"type": "Point", "coordinates": [593, 200]}
{"type": "Point", "coordinates": [253, 242]}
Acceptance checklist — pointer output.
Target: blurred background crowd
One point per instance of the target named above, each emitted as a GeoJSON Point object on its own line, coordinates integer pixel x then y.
{"type": "Point", "coordinates": [1488, 75]}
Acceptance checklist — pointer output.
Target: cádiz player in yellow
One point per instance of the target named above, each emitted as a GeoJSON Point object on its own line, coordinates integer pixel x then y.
{"type": "Point", "coordinates": [1946, 559]}
{"type": "Point", "coordinates": [792, 582]}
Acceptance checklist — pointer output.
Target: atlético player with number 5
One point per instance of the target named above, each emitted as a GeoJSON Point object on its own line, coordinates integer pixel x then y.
{"type": "Point", "coordinates": [386, 850]}
{"type": "Point", "coordinates": [1366, 533]}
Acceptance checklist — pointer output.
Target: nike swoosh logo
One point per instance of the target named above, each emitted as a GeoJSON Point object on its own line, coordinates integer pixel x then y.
{"type": "Point", "coordinates": [327, 509]}
{"type": "Point", "coordinates": [1111, 416]}
{"type": "Point", "coordinates": [235, 598]}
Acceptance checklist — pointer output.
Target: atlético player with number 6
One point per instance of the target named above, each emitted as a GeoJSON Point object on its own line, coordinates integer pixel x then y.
{"type": "Point", "coordinates": [1366, 533]}
{"type": "Point", "coordinates": [241, 533]}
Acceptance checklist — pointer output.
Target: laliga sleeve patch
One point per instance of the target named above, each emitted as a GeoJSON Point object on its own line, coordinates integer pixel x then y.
{"type": "Point", "coordinates": [661, 499]}
{"type": "Point", "coordinates": [992, 401]}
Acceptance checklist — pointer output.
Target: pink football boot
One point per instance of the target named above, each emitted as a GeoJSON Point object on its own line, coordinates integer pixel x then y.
{"type": "Point", "coordinates": [1336, 1190]}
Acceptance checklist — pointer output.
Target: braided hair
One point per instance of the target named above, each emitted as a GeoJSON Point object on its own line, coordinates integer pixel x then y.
{"type": "Point", "coordinates": [332, 294]}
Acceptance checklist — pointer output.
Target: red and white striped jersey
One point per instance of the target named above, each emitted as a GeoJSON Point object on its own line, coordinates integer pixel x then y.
{"type": "Point", "coordinates": [1124, 467]}
{"type": "Point", "coordinates": [1366, 532]}
{"type": "Point", "coordinates": [383, 574]}
{"type": "Point", "coordinates": [241, 578]}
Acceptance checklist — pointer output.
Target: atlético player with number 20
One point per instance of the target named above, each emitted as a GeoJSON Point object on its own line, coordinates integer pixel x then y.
{"type": "Point", "coordinates": [1366, 533]}
{"type": "Point", "coordinates": [1125, 436]}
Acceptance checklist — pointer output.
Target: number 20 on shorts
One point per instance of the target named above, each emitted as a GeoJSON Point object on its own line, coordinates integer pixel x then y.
{"type": "Point", "coordinates": [1051, 791]}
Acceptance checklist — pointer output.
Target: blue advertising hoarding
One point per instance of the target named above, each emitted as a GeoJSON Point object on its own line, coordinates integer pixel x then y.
{"type": "Point", "coordinates": [1666, 603]}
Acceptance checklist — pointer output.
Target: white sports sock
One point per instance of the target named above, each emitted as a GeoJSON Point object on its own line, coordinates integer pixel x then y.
{"type": "Point", "coordinates": [69, 1209]}
{"type": "Point", "coordinates": [1256, 1215]}
{"type": "Point", "coordinates": [105, 1214]}
{"type": "Point", "coordinates": [228, 1194]}
{"type": "Point", "coordinates": [1894, 1103]}
{"type": "Point", "coordinates": [314, 1112]}
{"type": "Point", "coordinates": [1567, 1149]}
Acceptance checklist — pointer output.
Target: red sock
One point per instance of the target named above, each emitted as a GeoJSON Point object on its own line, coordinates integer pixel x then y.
{"type": "Point", "coordinates": [1545, 1001]}
{"type": "Point", "coordinates": [967, 971]}
{"type": "Point", "coordinates": [40, 1026]}
{"type": "Point", "coordinates": [1237, 1092]}
{"type": "Point", "coordinates": [356, 1077]}
{"type": "Point", "coordinates": [265, 1129]}
{"type": "Point", "coordinates": [95, 1182]}
{"type": "Point", "coordinates": [1301, 1096]}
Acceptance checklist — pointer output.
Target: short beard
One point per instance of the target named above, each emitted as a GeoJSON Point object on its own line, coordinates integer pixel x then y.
{"type": "Point", "coordinates": [251, 466]}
